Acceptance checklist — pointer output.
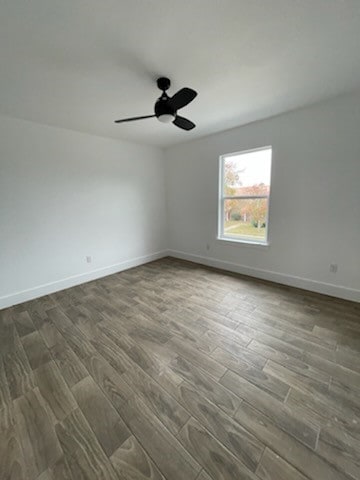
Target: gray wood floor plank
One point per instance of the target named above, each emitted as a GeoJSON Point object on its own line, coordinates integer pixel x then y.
{"type": "Point", "coordinates": [145, 326]}
{"type": "Point", "coordinates": [37, 310]}
{"type": "Point", "coordinates": [190, 321]}
{"type": "Point", "coordinates": [204, 476]}
{"type": "Point", "coordinates": [106, 377]}
{"type": "Point", "coordinates": [347, 359]}
{"type": "Point", "coordinates": [241, 354]}
{"type": "Point", "coordinates": [78, 342]}
{"type": "Point", "coordinates": [347, 397]}
{"type": "Point", "coordinates": [273, 467]}
{"type": "Point", "coordinates": [12, 464]}
{"type": "Point", "coordinates": [70, 365]}
{"type": "Point", "coordinates": [239, 441]}
{"type": "Point", "coordinates": [8, 334]}
{"type": "Point", "coordinates": [167, 378]}
{"type": "Point", "coordinates": [5, 397]}
{"type": "Point", "coordinates": [202, 343]}
{"type": "Point", "coordinates": [131, 462]}
{"type": "Point", "coordinates": [53, 388]}
{"type": "Point", "coordinates": [209, 307]}
{"type": "Point", "coordinates": [23, 323]}
{"type": "Point", "coordinates": [111, 352]}
{"type": "Point", "coordinates": [85, 319]}
{"type": "Point", "coordinates": [50, 334]}
{"type": "Point", "coordinates": [301, 457]}
{"type": "Point", "coordinates": [18, 371]}
{"type": "Point", "coordinates": [165, 407]}
{"type": "Point", "coordinates": [219, 395]}
{"type": "Point", "coordinates": [83, 454]}
{"type": "Point", "coordinates": [324, 410]}
{"type": "Point", "coordinates": [172, 459]}
{"type": "Point", "coordinates": [341, 449]}
{"type": "Point", "coordinates": [269, 344]}
{"type": "Point", "coordinates": [296, 380]}
{"type": "Point", "coordinates": [36, 349]}
{"type": "Point", "coordinates": [267, 382]}
{"type": "Point", "coordinates": [104, 420]}
{"type": "Point", "coordinates": [288, 419]}
{"type": "Point", "coordinates": [301, 340]}
{"type": "Point", "coordinates": [347, 376]}
{"type": "Point", "coordinates": [60, 470]}
{"type": "Point", "coordinates": [297, 365]}
{"type": "Point", "coordinates": [211, 454]}
{"type": "Point", "coordinates": [117, 333]}
{"type": "Point", "coordinates": [234, 343]}
{"type": "Point", "coordinates": [47, 475]}
{"type": "Point", "coordinates": [197, 358]}
{"type": "Point", "coordinates": [36, 432]}
{"type": "Point", "coordinates": [58, 317]}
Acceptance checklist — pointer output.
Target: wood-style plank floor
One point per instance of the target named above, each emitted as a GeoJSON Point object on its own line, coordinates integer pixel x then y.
{"type": "Point", "coordinates": [175, 371]}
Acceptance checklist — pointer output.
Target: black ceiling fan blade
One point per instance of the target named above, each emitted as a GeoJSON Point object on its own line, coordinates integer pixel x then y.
{"type": "Point", "coordinates": [184, 123]}
{"type": "Point", "coordinates": [132, 119]}
{"type": "Point", "coordinates": [182, 98]}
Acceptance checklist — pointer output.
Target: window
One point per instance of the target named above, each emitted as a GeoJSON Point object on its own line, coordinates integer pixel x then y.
{"type": "Point", "coordinates": [244, 196]}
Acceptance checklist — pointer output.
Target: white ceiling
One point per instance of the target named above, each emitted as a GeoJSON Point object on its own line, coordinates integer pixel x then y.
{"type": "Point", "coordinates": [81, 64]}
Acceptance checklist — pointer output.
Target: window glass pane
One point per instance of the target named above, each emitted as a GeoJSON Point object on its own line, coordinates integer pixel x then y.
{"type": "Point", "coordinates": [245, 219]}
{"type": "Point", "coordinates": [247, 173]}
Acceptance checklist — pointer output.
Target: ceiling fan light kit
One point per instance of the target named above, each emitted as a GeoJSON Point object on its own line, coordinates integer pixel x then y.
{"type": "Point", "coordinates": [166, 107]}
{"type": "Point", "coordinates": [166, 118]}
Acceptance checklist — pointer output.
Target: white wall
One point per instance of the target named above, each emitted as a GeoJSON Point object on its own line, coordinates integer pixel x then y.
{"type": "Point", "coordinates": [65, 195]}
{"type": "Point", "coordinates": [315, 198]}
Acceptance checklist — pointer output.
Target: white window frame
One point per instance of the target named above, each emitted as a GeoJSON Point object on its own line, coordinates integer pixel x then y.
{"type": "Point", "coordinates": [221, 204]}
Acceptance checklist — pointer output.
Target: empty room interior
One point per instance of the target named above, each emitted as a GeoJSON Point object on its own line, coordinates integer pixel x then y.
{"type": "Point", "coordinates": [180, 240]}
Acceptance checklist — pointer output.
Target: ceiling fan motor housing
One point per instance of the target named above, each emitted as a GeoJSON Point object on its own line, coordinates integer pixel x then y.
{"type": "Point", "coordinates": [163, 107]}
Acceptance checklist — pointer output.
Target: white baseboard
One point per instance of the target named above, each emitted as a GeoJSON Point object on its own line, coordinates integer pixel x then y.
{"type": "Point", "coordinates": [291, 280]}
{"type": "Point", "coordinates": [46, 289]}
{"type": "Point", "coordinates": [282, 278]}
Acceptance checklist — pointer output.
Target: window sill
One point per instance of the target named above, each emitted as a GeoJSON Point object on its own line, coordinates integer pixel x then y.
{"type": "Point", "coordinates": [247, 243]}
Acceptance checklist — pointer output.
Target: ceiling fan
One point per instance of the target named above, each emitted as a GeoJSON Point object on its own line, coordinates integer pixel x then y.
{"type": "Point", "coordinates": [166, 107]}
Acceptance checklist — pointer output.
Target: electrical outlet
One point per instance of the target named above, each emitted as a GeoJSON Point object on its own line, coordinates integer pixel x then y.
{"type": "Point", "coordinates": [207, 246]}
{"type": "Point", "coordinates": [88, 259]}
{"type": "Point", "coordinates": [333, 267]}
